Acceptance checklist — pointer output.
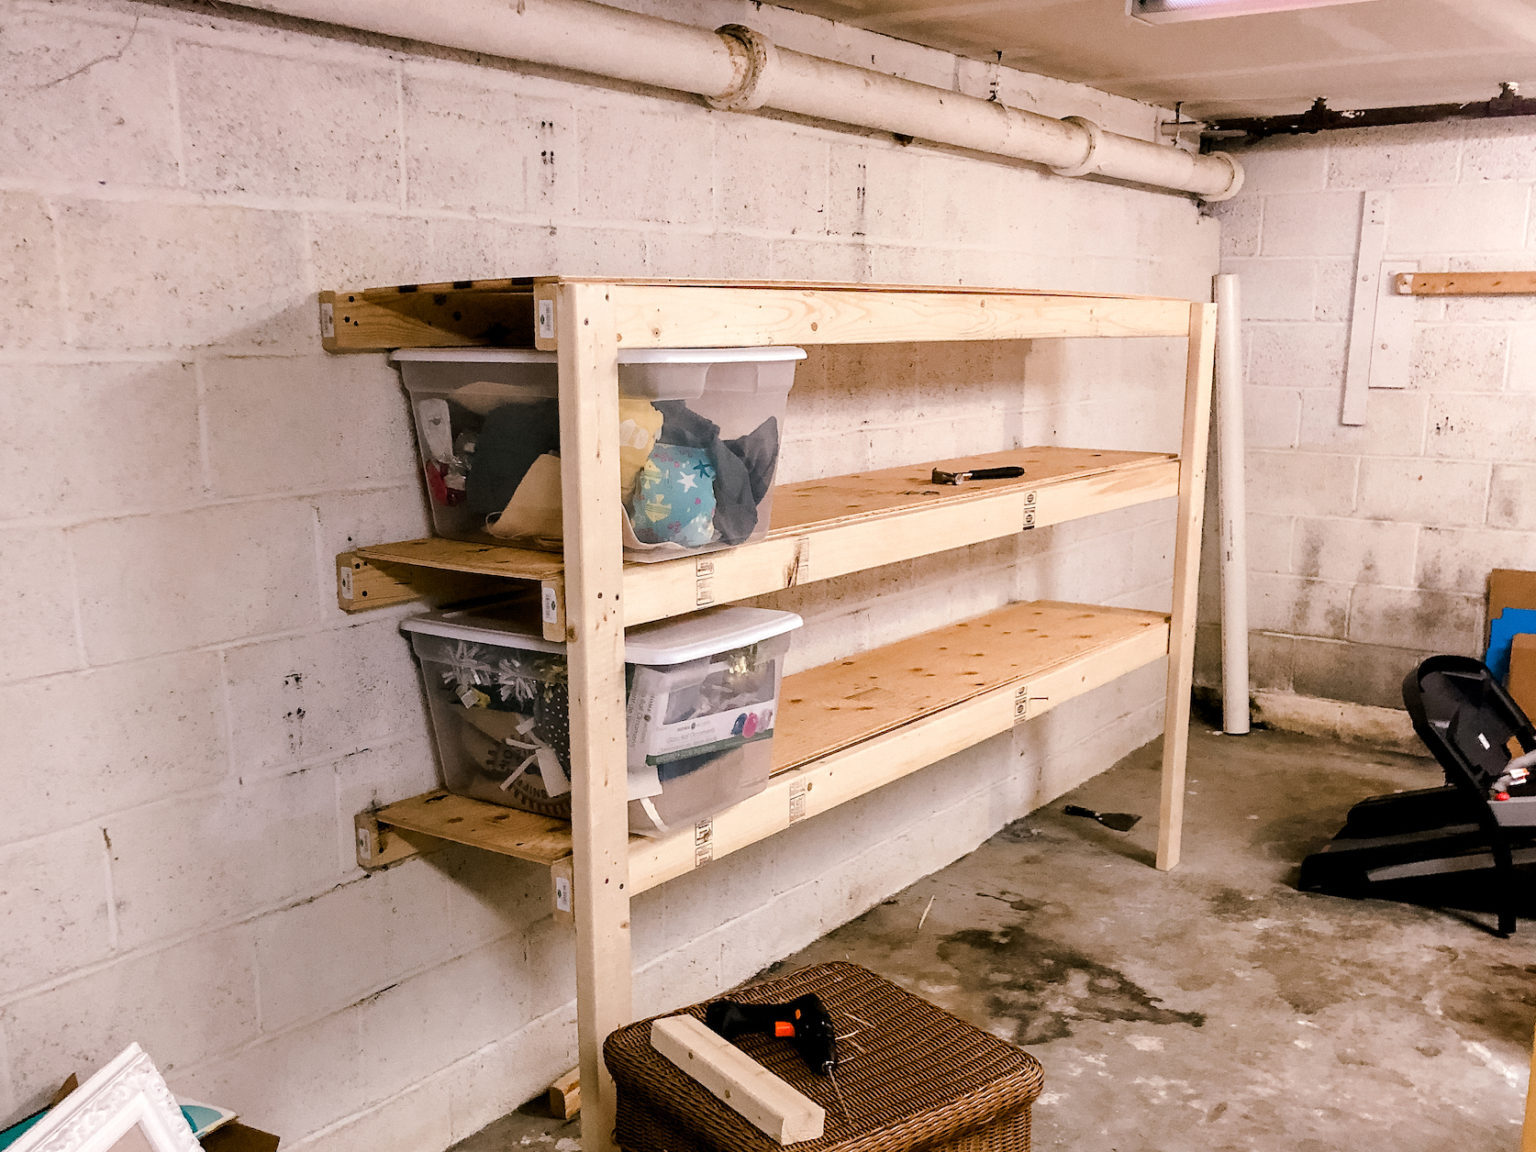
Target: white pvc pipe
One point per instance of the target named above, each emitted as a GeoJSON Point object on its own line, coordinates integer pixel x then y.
{"type": "Point", "coordinates": [1231, 498]}
{"type": "Point", "coordinates": [740, 69]}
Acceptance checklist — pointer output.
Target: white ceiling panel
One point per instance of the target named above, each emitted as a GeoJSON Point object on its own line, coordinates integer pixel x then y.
{"type": "Point", "coordinates": [1382, 53]}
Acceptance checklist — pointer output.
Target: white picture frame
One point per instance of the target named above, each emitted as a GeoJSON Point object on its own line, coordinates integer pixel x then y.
{"type": "Point", "coordinates": [128, 1093]}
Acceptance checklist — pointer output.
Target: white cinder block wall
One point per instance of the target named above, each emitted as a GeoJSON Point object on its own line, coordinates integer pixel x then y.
{"type": "Point", "coordinates": [1369, 548]}
{"type": "Point", "coordinates": [190, 724]}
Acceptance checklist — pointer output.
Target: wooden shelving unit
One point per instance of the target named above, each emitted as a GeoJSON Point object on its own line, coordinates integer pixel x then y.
{"type": "Point", "coordinates": [846, 728]}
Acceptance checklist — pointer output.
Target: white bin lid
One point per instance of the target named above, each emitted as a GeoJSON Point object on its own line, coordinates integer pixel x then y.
{"type": "Point", "coordinates": [626, 355]}
{"type": "Point", "coordinates": [662, 643]}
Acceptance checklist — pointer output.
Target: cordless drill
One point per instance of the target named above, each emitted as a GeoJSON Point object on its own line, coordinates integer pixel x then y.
{"type": "Point", "coordinates": [804, 1022]}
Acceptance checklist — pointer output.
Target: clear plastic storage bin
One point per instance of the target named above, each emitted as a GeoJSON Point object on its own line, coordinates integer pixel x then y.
{"type": "Point", "coordinates": [703, 695]}
{"type": "Point", "coordinates": [699, 434]}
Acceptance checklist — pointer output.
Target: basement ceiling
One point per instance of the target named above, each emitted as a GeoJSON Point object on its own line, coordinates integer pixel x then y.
{"type": "Point", "coordinates": [1371, 55]}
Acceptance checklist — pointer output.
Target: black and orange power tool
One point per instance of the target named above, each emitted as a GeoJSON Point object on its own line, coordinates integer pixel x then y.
{"type": "Point", "coordinates": [804, 1022]}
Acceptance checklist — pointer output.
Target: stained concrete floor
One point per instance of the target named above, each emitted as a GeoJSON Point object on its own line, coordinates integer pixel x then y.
{"type": "Point", "coordinates": [1214, 1007]}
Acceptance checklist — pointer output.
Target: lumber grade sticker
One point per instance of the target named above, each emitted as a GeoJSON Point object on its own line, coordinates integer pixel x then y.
{"type": "Point", "coordinates": [703, 843]}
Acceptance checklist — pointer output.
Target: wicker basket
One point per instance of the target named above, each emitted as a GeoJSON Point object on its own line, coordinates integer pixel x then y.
{"type": "Point", "coordinates": [924, 1081]}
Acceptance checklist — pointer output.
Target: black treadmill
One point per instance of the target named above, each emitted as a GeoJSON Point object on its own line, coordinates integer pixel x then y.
{"type": "Point", "coordinates": [1470, 837]}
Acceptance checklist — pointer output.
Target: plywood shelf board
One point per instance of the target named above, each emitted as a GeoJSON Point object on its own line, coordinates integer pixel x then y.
{"type": "Point", "coordinates": [828, 527]}
{"type": "Point", "coordinates": [864, 703]}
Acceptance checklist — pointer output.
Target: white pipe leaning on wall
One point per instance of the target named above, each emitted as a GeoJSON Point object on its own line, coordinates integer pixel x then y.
{"type": "Point", "coordinates": [1232, 501]}
{"type": "Point", "coordinates": [738, 69]}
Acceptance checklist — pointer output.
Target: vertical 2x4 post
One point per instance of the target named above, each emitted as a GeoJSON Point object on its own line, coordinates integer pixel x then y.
{"type": "Point", "coordinates": [1199, 367]}
{"type": "Point", "coordinates": [587, 348]}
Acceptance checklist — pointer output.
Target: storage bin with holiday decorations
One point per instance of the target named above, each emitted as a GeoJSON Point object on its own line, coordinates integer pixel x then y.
{"type": "Point", "coordinates": [703, 695]}
{"type": "Point", "coordinates": [699, 434]}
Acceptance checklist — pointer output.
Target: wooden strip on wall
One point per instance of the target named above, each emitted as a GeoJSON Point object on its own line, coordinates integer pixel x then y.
{"type": "Point", "coordinates": [1467, 283]}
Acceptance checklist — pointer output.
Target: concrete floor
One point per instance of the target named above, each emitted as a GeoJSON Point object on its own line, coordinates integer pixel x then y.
{"type": "Point", "coordinates": [1214, 1007]}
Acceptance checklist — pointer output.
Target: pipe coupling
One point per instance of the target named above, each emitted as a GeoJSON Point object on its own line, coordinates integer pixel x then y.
{"type": "Point", "coordinates": [1088, 163]}
{"type": "Point", "coordinates": [1236, 184]}
{"type": "Point", "coordinates": [759, 59]}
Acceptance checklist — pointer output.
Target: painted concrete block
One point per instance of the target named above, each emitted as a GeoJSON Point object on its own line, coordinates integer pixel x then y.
{"type": "Point", "coordinates": [876, 192]}
{"type": "Point", "coordinates": [1272, 417]}
{"type": "Point", "coordinates": [1296, 355]}
{"type": "Point", "coordinates": [1335, 290]}
{"type": "Point", "coordinates": [448, 118]}
{"type": "Point", "coordinates": [1285, 164]}
{"type": "Point", "coordinates": [1423, 491]}
{"type": "Point", "coordinates": [305, 698]}
{"type": "Point", "coordinates": [151, 275]}
{"type": "Point", "coordinates": [1298, 606]}
{"type": "Point", "coordinates": [1417, 618]}
{"type": "Point", "coordinates": [152, 584]}
{"type": "Point", "coordinates": [271, 1083]}
{"type": "Point", "coordinates": [185, 863]}
{"type": "Point", "coordinates": [492, 1081]}
{"type": "Point", "coordinates": [321, 955]}
{"type": "Point", "coordinates": [1464, 218]}
{"type": "Point", "coordinates": [1480, 427]}
{"type": "Point", "coordinates": [87, 100]}
{"type": "Point", "coordinates": [268, 125]}
{"type": "Point", "coordinates": [84, 1022]}
{"type": "Point", "coordinates": [598, 251]}
{"type": "Point", "coordinates": [1459, 559]}
{"type": "Point", "coordinates": [1394, 156]}
{"type": "Point", "coordinates": [1241, 219]}
{"type": "Point", "coordinates": [1311, 224]}
{"type": "Point", "coordinates": [1275, 288]}
{"type": "Point", "coordinates": [1355, 551]}
{"type": "Point", "coordinates": [1522, 358]}
{"type": "Point", "coordinates": [92, 440]}
{"type": "Point", "coordinates": [700, 255]}
{"type": "Point", "coordinates": [771, 176]}
{"type": "Point", "coordinates": [53, 908]}
{"type": "Point", "coordinates": [286, 424]}
{"type": "Point", "coordinates": [381, 774]}
{"type": "Point", "coordinates": [1369, 674]}
{"type": "Point", "coordinates": [153, 728]}
{"type": "Point", "coordinates": [37, 593]}
{"type": "Point", "coordinates": [645, 165]}
{"type": "Point", "coordinates": [487, 994]}
{"type": "Point", "coordinates": [1512, 501]}
{"type": "Point", "coordinates": [353, 249]}
{"type": "Point", "coordinates": [29, 262]}
{"type": "Point", "coordinates": [1395, 420]}
{"type": "Point", "coordinates": [1301, 483]}
{"type": "Point", "coordinates": [420, 1117]}
{"type": "Point", "coordinates": [1459, 357]}
{"type": "Point", "coordinates": [1269, 543]}
{"type": "Point", "coordinates": [1497, 150]}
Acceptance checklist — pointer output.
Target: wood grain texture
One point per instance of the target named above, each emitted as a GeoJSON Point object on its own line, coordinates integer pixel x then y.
{"type": "Point", "coordinates": [383, 320]}
{"type": "Point", "coordinates": [848, 728]}
{"type": "Point", "coordinates": [594, 581]}
{"type": "Point", "coordinates": [1467, 283]}
{"type": "Point", "coordinates": [702, 317]}
{"type": "Point", "coordinates": [770, 1104]}
{"type": "Point", "coordinates": [1199, 369]}
{"type": "Point", "coordinates": [505, 831]}
{"type": "Point", "coordinates": [851, 523]}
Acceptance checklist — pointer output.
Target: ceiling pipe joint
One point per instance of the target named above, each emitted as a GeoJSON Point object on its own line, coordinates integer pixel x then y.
{"type": "Point", "coordinates": [759, 61]}
{"type": "Point", "coordinates": [1093, 136]}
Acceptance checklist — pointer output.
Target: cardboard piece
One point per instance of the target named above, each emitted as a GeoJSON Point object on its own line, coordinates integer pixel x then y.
{"type": "Point", "coordinates": [1509, 588]}
{"type": "Point", "coordinates": [1522, 672]}
{"type": "Point", "coordinates": [238, 1137]}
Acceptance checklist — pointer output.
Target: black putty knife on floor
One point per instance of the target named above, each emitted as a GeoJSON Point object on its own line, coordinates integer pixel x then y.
{"type": "Point", "coordinates": [1119, 821]}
